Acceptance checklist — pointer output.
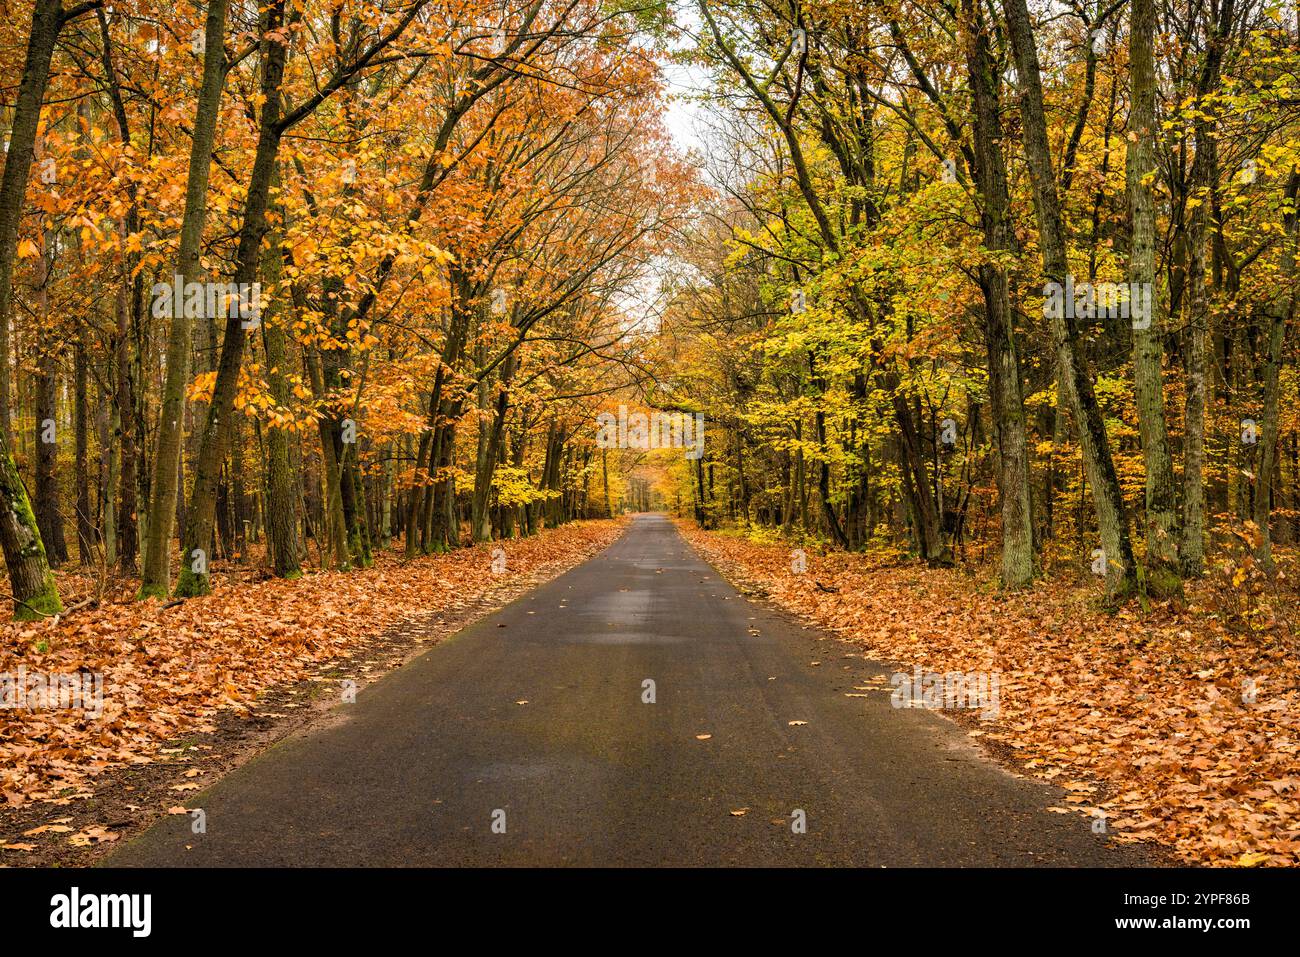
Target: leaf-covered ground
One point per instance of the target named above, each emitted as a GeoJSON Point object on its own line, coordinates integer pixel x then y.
{"type": "Point", "coordinates": [168, 670]}
{"type": "Point", "coordinates": [1146, 716]}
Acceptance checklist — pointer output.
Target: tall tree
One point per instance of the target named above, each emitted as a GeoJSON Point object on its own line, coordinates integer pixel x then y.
{"type": "Point", "coordinates": [156, 576]}
{"type": "Point", "coordinates": [1163, 573]}
{"type": "Point", "coordinates": [1074, 371]}
{"type": "Point", "coordinates": [35, 593]}
{"type": "Point", "coordinates": [999, 334]}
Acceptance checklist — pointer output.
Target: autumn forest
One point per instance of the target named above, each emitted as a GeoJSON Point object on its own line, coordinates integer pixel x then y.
{"type": "Point", "coordinates": [963, 329]}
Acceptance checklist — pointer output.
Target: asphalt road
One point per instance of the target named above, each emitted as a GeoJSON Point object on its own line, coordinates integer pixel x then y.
{"type": "Point", "coordinates": [525, 740]}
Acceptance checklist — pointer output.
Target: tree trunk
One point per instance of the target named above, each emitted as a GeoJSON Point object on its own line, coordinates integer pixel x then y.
{"type": "Point", "coordinates": [281, 507]}
{"type": "Point", "coordinates": [335, 523]}
{"type": "Point", "coordinates": [156, 576]}
{"type": "Point", "coordinates": [47, 21]}
{"type": "Point", "coordinates": [1163, 572]}
{"type": "Point", "coordinates": [1075, 373]}
{"type": "Point", "coordinates": [85, 520]}
{"type": "Point", "coordinates": [489, 455]}
{"type": "Point", "coordinates": [50, 518]}
{"type": "Point", "coordinates": [35, 593]}
{"type": "Point", "coordinates": [194, 578]}
{"type": "Point", "coordinates": [1205, 177]}
{"type": "Point", "coordinates": [49, 514]}
{"type": "Point", "coordinates": [108, 494]}
{"type": "Point", "coordinates": [1280, 313]}
{"type": "Point", "coordinates": [1004, 363]}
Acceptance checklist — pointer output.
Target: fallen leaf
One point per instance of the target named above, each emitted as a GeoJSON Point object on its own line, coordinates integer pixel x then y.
{"type": "Point", "coordinates": [92, 836]}
{"type": "Point", "coordinates": [50, 828]}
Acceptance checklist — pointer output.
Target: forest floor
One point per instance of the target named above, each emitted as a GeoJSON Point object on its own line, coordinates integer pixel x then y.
{"type": "Point", "coordinates": [192, 689]}
{"type": "Point", "coordinates": [1180, 725]}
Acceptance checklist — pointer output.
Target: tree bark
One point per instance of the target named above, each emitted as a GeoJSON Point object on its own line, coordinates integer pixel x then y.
{"type": "Point", "coordinates": [281, 507]}
{"type": "Point", "coordinates": [47, 21]}
{"type": "Point", "coordinates": [1280, 313]}
{"type": "Point", "coordinates": [194, 578]}
{"type": "Point", "coordinates": [35, 594]}
{"type": "Point", "coordinates": [156, 576]}
{"type": "Point", "coordinates": [81, 414]}
{"type": "Point", "coordinates": [49, 513]}
{"type": "Point", "coordinates": [1163, 572]}
{"type": "Point", "coordinates": [1004, 364]}
{"type": "Point", "coordinates": [1205, 177]}
{"type": "Point", "coordinates": [1112, 519]}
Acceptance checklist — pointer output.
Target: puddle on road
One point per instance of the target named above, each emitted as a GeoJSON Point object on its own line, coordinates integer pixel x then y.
{"type": "Point", "coordinates": [613, 606]}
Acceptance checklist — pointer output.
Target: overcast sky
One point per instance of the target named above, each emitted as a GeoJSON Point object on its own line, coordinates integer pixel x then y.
{"type": "Point", "coordinates": [684, 81]}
